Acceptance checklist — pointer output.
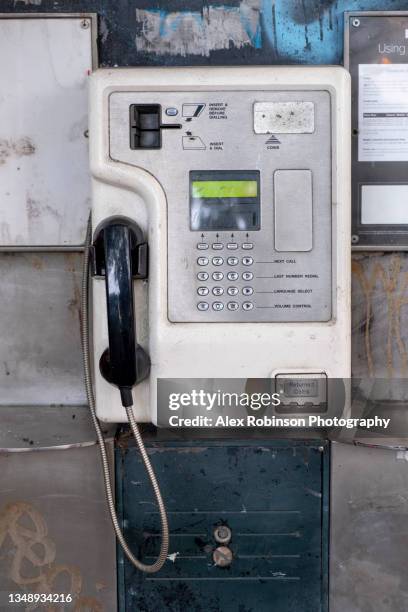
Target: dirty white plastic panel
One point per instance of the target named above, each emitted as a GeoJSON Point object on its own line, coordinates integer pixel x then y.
{"type": "Point", "coordinates": [44, 173]}
{"type": "Point", "coordinates": [202, 349]}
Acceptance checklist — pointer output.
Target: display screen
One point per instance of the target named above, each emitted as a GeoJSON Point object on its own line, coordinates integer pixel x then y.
{"type": "Point", "coordinates": [224, 200]}
{"type": "Point", "coordinates": [224, 189]}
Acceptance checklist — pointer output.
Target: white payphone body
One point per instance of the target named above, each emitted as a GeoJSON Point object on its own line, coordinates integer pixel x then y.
{"type": "Point", "coordinates": [239, 179]}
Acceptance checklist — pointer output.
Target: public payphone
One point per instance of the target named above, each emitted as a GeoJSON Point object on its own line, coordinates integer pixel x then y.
{"type": "Point", "coordinates": [234, 184]}
{"type": "Point", "coordinates": [220, 232]}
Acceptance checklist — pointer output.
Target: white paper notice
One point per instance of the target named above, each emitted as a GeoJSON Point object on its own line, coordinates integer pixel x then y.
{"type": "Point", "coordinates": [383, 112]}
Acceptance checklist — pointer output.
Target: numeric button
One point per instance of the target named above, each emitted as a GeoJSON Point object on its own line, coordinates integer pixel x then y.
{"type": "Point", "coordinates": [203, 291]}
{"type": "Point", "coordinates": [217, 276]}
{"type": "Point", "coordinates": [232, 276]}
{"type": "Point", "coordinates": [247, 261]}
{"type": "Point", "coordinates": [232, 290]}
{"type": "Point", "coordinates": [218, 306]}
{"type": "Point", "coordinates": [217, 261]}
{"type": "Point", "coordinates": [202, 261]}
{"type": "Point", "coordinates": [218, 290]}
{"type": "Point", "coordinates": [233, 261]}
{"type": "Point", "coordinates": [202, 306]}
{"type": "Point", "coordinates": [202, 276]}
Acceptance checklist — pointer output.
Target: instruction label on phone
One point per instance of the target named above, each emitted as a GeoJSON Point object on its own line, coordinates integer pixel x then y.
{"type": "Point", "coordinates": [383, 112]}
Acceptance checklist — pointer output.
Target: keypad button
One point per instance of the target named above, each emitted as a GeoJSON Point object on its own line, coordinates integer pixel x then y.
{"type": "Point", "coordinates": [232, 261]}
{"type": "Point", "coordinates": [217, 276]}
{"type": "Point", "coordinates": [217, 246]}
{"type": "Point", "coordinates": [232, 306]}
{"type": "Point", "coordinates": [218, 306]}
{"type": "Point", "coordinates": [202, 306]}
{"type": "Point", "coordinates": [247, 246]}
{"type": "Point", "coordinates": [202, 276]}
{"type": "Point", "coordinates": [247, 276]}
{"type": "Point", "coordinates": [247, 306]}
{"type": "Point", "coordinates": [247, 261]}
{"type": "Point", "coordinates": [202, 261]}
{"type": "Point", "coordinates": [247, 290]}
{"type": "Point", "coordinates": [202, 246]}
{"type": "Point", "coordinates": [232, 290]}
{"type": "Point", "coordinates": [217, 261]}
{"type": "Point", "coordinates": [203, 291]}
{"type": "Point", "coordinates": [171, 111]}
{"type": "Point", "coordinates": [232, 276]}
{"type": "Point", "coordinates": [232, 246]}
{"type": "Point", "coordinates": [218, 290]}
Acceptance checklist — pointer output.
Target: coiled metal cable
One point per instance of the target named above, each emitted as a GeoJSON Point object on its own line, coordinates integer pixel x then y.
{"type": "Point", "coordinates": [158, 564]}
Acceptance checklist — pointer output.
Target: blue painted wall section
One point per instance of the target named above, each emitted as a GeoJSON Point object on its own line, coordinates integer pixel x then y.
{"type": "Point", "coordinates": [147, 32]}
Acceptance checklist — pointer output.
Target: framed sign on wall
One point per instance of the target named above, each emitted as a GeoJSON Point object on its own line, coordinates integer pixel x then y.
{"type": "Point", "coordinates": [376, 54]}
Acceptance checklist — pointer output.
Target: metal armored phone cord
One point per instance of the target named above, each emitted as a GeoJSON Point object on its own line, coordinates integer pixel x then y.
{"type": "Point", "coordinates": [158, 564]}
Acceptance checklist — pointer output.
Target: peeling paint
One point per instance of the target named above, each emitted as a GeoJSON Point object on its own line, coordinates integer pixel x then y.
{"type": "Point", "coordinates": [28, 2]}
{"type": "Point", "coordinates": [199, 33]}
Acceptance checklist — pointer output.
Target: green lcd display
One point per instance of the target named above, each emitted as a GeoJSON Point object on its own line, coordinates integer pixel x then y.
{"type": "Point", "coordinates": [224, 189]}
{"type": "Point", "coordinates": [225, 200]}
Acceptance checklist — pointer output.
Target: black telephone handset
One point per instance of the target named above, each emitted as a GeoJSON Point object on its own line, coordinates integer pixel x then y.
{"type": "Point", "coordinates": [120, 254]}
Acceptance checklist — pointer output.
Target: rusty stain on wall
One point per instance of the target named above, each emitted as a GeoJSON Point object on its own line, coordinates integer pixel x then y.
{"type": "Point", "coordinates": [380, 294]}
{"type": "Point", "coordinates": [199, 32]}
{"type": "Point", "coordinates": [33, 567]}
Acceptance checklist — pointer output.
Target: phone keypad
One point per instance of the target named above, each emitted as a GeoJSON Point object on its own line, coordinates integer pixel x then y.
{"type": "Point", "coordinates": [230, 277]}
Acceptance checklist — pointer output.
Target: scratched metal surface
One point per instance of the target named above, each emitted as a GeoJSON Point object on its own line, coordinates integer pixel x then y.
{"type": "Point", "coordinates": [55, 532]}
{"type": "Point", "coordinates": [44, 171]}
{"type": "Point", "coordinates": [40, 348]}
{"type": "Point", "coordinates": [270, 495]}
{"type": "Point", "coordinates": [380, 309]}
{"type": "Point", "coordinates": [368, 549]}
